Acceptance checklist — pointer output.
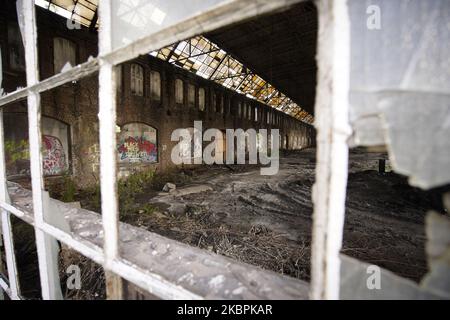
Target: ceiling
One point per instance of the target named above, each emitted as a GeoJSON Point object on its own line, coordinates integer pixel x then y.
{"type": "Point", "coordinates": [270, 58]}
{"type": "Point", "coordinates": [280, 47]}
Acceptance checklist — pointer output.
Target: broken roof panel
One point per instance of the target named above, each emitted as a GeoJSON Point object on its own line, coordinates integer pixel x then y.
{"type": "Point", "coordinates": [81, 11]}
{"type": "Point", "coordinates": [198, 54]}
{"type": "Point", "coordinates": [280, 47]}
{"type": "Point", "coordinates": [202, 57]}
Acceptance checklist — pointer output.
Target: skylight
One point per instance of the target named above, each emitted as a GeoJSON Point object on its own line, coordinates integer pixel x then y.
{"type": "Point", "coordinates": [204, 58]}
{"type": "Point", "coordinates": [198, 55]}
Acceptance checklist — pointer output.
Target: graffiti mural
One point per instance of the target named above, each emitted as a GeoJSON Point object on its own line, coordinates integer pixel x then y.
{"type": "Point", "coordinates": [54, 157]}
{"type": "Point", "coordinates": [137, 143]}
{"type": "Point", "coordinates": [55, 145]}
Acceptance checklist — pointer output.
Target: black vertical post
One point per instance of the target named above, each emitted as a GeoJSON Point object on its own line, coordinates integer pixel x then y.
{"type": "Point", "coordinates": [381, 166]}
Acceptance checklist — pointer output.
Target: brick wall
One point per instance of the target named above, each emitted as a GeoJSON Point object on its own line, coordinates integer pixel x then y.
{"type": "Point", "coordinates": [76, 104]}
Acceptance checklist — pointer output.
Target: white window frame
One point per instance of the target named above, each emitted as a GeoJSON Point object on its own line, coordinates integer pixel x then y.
{"type": "Point", "coordinates": [15, 41]}
{"type": "Point", "coordinates": [332, 150]}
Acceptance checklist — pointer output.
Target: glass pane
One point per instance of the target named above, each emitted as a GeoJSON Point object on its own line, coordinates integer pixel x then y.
{"type": "Point", "coordinates": [133, 20]}
{"type": "Point", "coordinates": [64, 36]}
{"type": "Point", "coordinates": [12, 53]}
{"type": "Point", "coordinates": [398, 49]}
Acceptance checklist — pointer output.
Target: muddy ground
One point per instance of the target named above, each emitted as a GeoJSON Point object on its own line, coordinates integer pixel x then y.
{"type": "Point", "coordinates": [261, 220]}
{"type": "Point", "coordinates": [266, 220]}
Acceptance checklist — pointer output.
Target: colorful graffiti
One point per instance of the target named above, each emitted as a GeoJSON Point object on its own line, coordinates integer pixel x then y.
{"type": "Point", "coordinates": [54, 160]}
{"type": "Point", "coordinates": [54, 145]}
{"type": "Point", "coordinates": [54, 157]}
{"type": "Point", "coordinates": [137, 143]}
{"type": "Point", "coordinates": [137, 149]}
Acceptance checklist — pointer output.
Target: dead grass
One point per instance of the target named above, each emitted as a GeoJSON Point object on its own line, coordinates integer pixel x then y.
{"type": "Point", "coordinates": [92, 276]}
{"type": "Point", "coordinates": [258, 245]}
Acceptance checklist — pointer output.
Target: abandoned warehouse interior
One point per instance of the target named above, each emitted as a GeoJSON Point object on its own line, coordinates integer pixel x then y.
{"type": "Point", "coordinates": [223, 230]}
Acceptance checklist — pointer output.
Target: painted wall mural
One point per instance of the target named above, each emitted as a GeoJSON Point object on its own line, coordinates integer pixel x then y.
{"type": "Point", "coordinates": [54, 156]}
{"type": "Point", "coordinates": [55, 145]}
{"type": "Point", "coordinates": [137, 144]}
{"type": "Point", "coordinates": [54, 159]}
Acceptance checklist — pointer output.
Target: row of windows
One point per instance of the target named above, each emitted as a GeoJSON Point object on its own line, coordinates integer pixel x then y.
{"type": "Point", "coordinates": [65, 51]}
{"type": "Point", "coordinates": [244, 110]}
{"type": "Point", "coordinates": [137, 82]}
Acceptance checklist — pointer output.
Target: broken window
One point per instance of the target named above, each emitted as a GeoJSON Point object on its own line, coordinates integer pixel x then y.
{"type": "Point", "coordinates": [221, 103]}
{"type": "Point", "coordinates": [191, 95]}
{"type": "Point", "coordinates": [333, 127]}
{"type": "Point", "coordinates": [131, 148]}
{"type": "Point", "coordinates": [16, 50]}
{"type": "Point", "coordinates": [64, 52]}
{"type": "Point", "coordinates": [213, 101]}
{"type": "Point", "coordinates": [201, 99]}
{"type": "Point", "coordinates": [179, 91]}
{"type": "Point", "coordinates": [79, 11]}
{"type": "Point", "coordinates": [155, 85]}
{"type": "Point", "coordinates": [137, 79]}
{"type": "Point", "coordinates": [227, 106]}
{"type": "Point", "coordinates": [119, 77]}
{"type": "Point", "coordinates": [218, 102]}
